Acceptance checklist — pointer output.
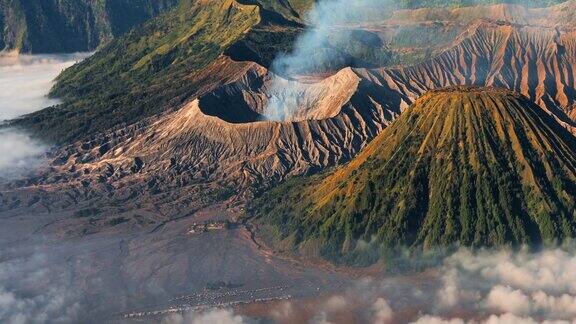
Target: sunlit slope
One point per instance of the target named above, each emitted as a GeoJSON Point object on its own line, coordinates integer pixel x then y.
{"type": "Point", "coordinates": [479, 167]}
{"type": "Point", "coordinates": [142, 72]}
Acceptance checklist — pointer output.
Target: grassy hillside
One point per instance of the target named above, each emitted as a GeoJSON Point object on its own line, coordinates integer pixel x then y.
{"type": "Point", "coordinates": [142, 72]}
{"type": "Point", "coordinates": [56, 26]}
{"type": "Point", "coordinates": [474, 167]}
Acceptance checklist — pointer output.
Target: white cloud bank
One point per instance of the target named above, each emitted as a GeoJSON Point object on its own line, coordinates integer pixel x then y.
{"type": "Point", "coordinates": [487, 287]}
{"type": "Point", "coordinates": [25, 81]}
{"type": "Point", "coordinates": [510, 287]}
{"type": "Point", "coordinates": [216, 316]}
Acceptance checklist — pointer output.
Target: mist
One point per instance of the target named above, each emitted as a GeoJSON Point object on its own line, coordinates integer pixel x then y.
{"type": "Point", "coordinates": [25, 81]}
{"type": "Point", "coordinates": [33, 291]}
{"type": "Point", "coordinates": [45, 279]}
{"type": "Point", "coordinates": [472, 287]}
{"type": "Point", "coordinates": [19, 153]}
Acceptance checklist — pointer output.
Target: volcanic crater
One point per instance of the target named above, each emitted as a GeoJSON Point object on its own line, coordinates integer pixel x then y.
{"type": "Point", "coordinates": [263, 96]}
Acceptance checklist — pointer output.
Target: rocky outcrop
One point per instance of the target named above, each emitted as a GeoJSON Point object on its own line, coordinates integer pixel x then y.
{"type": "Point", "coordinates": [533, 60]}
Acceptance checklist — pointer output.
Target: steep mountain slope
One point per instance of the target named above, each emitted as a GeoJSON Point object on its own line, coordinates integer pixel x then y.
{"type": "Point", "coordinates": [176, 125]}
{"type": "Point", "coordinates": [155, 68]}
{"type": "Point", "coordinates": [536, 61]}
{"type": "Point", "coordinates": [52, 26]}
{"type": "Point", "coordinates": [481, 167]}
{"type": "Point", "coordinates": [161, 64]}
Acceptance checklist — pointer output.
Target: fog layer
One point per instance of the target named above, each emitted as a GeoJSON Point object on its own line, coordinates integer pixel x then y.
{"type": "Point", "coordinates": [486, 287]}
{"type": "Point", "coordinates": [25, 81]}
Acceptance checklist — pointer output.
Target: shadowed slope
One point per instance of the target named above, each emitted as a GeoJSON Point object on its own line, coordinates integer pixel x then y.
{"type": "Point", "coordinates": [476, 166]}
{"type": "Point", "coordinates": [56, 26]}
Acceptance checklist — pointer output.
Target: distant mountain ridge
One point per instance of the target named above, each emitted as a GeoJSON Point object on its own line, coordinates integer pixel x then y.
{"type": "Point", "coordinates": [63, 26]}
{"type": "Point", "coordinates": [474, 166]}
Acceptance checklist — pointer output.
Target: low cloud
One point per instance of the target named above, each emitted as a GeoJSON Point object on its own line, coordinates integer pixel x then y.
{"type": "Point", "coordinates": [506, 318]}
{"type": "Point", "coordinates": [31, 293]}
{"type": "Point", "coordinates": [511, 287]}
{"type": "Point", "coordinates": [505, 299]}
{"type": "Point", "coordinates": [26, 79]}
{"type": "Point", "coordinates": [19, 153]}
{"type": "Point", "coordinates": [216, 316]}
{"type": "Point", "coordinates": [35, 288]}
{"type": "Point", "coordinates": [485, 287]}
{"type": "Point", "coordinates": [428, 319]}
{"type": "Point", "coordinates": [382, 311]}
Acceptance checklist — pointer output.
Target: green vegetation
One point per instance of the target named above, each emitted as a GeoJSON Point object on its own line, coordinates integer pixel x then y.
{"type": "Point", "coordinates": [461, 166]}
{"type": "Point", "coordinates": [141, 73]}
{"type": "Point", "coordinates": [56, 26]}
{"type": "Point", "coordinates": [289, 9]}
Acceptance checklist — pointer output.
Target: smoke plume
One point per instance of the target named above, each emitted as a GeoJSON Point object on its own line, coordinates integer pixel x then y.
{"type": "Point", "coordinates": [325, 46]}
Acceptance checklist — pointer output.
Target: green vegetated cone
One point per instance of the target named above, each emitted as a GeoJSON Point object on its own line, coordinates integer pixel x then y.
{"type": "Point", "coordinates": [471, 166]}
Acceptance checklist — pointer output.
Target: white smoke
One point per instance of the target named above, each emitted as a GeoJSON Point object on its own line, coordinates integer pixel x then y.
{"type": "Point", "coordinates": [24, 83]}
{"type": "Point", "coordinates": [328, 44]}
{"type": "Point", "coordinates": [311, 54]}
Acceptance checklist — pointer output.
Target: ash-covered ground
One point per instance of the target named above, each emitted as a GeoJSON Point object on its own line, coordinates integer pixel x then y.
{"type": "Point", "coordinates": [141, 274]}
{"type": "Point", "coordinates": [78, 265]}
